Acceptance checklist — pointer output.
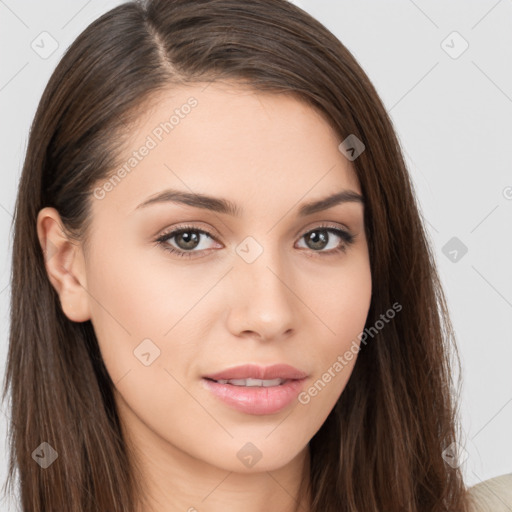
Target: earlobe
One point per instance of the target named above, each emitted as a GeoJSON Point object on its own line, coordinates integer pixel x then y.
{"type": "Point", "coordinates": [64, 264]}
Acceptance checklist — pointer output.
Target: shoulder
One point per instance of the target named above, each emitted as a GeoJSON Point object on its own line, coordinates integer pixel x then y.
{"type": "Point", "coordinates": [493, 495]}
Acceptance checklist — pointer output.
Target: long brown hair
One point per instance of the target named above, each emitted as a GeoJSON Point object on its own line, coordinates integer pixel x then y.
{"type": "Point", "coordinates": [381, 448]}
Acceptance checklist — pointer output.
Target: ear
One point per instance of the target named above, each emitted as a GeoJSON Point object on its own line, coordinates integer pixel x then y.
{"type": "Point", "coordinates": [65, 264]}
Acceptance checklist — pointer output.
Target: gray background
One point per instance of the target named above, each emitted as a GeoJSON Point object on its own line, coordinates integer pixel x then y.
{"type": "Point", "coordinates": [452, 112]}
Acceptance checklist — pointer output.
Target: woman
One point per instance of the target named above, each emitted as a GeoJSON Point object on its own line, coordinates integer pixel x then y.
{"type": "Point", "coordinates": [194, 169]}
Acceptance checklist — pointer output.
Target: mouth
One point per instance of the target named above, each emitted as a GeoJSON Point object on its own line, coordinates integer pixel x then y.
{"type": "Point", "coordinates": [256, 372]}
{"type": "Point", "coordinates": [256, 390]}
{"type": "Point", "coordinates": [266, 383]}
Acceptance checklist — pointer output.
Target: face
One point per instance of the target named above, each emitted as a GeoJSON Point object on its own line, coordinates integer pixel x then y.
{"type": "Point", "coordinates": [225, 323]}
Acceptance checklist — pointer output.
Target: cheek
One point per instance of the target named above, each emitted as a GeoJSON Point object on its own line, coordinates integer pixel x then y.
{"type": "Point", "coordinates": [128, 308]}
{"type": "Point", "coordinates": [136, 300]}
{"type": "Point", "coordinates": [146, 336]}
{"type": "Point", "coordinates": [341, 305]}
{"type": "Point", "coordinates": [151, 324]}
{"type": "Point", "coordinates": [341, 301]}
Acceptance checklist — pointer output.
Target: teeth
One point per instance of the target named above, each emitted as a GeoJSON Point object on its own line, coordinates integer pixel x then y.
{"type": "Point", "coordinates": [252, 382]}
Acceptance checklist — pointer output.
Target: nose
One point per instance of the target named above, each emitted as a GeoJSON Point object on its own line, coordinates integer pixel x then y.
{"type": "Point", "coordinates": [262, 303]}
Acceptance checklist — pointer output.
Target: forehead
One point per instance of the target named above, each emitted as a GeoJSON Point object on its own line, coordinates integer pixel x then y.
{"type": "Point", "coordinates": [229, 140]}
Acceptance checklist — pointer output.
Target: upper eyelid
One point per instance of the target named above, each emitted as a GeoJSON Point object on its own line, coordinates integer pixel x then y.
{"type": "Point", "coordinates": [179, 229]}
{"type": "Point", "coordinates": [323, 225]}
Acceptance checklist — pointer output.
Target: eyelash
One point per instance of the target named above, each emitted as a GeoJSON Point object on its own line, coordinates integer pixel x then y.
{"type": "Point", "coordinates": [347, 240]}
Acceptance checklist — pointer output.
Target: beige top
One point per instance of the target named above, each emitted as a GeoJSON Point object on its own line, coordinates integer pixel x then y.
{"type": "Point", "coordinates": [493, 495]}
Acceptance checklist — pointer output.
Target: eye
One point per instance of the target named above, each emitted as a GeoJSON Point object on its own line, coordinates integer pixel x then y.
{"type": "Point", "coordinates": [325, 236]}
{"type": "Point", "coordinates": [186, 239]}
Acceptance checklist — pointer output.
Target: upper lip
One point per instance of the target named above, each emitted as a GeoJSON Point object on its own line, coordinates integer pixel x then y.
{"type": "Point", "coordinates": [253, 371]}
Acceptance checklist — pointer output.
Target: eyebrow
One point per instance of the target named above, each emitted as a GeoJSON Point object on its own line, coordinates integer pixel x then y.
{"type": "Point", "coordinates": [227, 207]}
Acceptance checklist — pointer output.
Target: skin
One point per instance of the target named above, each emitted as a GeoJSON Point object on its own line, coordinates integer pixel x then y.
{"type": "Point", "coordinates": [293, 304]}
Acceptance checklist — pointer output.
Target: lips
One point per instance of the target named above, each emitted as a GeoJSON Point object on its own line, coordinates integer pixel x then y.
{"type": "Point", "coordinates": [266, 383]}
{"type": "Point", "coordinates": [257, 390]}
{"type": "Point", "coordinates": [252, 371]}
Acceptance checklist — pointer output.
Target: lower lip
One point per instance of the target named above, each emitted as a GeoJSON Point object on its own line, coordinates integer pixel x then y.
{"type": "Point", "coordinates": [256, 399]}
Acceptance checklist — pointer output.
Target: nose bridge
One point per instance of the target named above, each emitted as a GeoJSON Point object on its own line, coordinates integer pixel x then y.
{"type": "Point", "coordinates": [263, 264]}
{"type": "Point", "coordinates": [262, 301]}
